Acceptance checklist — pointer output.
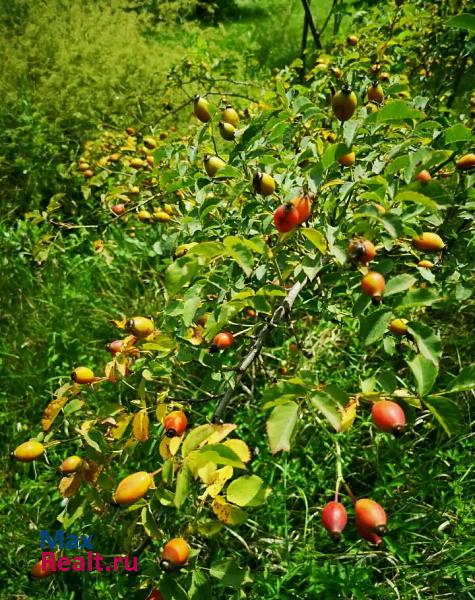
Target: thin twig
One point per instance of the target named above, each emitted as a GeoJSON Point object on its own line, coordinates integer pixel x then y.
{"type": "Point", "coordinates": [311, 23]}
{"type": "Point", "coordinates": [280, 312]}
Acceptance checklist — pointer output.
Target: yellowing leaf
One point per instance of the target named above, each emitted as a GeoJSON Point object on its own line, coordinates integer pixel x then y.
{"type": "Point", "coordinates": [220, 432]}
{"type": "Point", "coordinates": [52, 411]}
{"type": "Point", "coordinates": [240, 448]}
{"type": "Point", "coordinates": [68, 486]}
{"type": "Point", "coordinates": [169, 446]}
{"type": "Point", "coordinates": [161, 412]}
{"type": "Point", "coordinates": [98, 246]}
{"type": "Point", "coordinates": [91, 471]}
{"type": "Point", "coordinates": [195, 335]}
{"type": "Point", "coordinates": [348, 415]}
{"type": "Point", "coordinates": [141, 426]}
{"type": "Point", "coordinates": [122, 423]}
{"type": "Point", "coordinates": [119, 323]}
{"type": "Point", "coordinates": [228, 513]}
{"type": "Point", "coordinates": [207, 473]}
{"type": "Point", "coordinates": [220, 478]}
{"type": "Point", "coordinates": [86, 426]}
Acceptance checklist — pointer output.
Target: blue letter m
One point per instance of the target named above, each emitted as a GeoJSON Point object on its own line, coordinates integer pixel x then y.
{"type": "Point", "coordinates": [46, 539]}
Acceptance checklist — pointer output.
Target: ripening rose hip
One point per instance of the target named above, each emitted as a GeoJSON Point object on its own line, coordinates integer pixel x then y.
{"type": "Point", "coordinates": [334, 519]}
{"type": "Point", "coordinates": [370, 516]}
{"type": "Point", "coordinates": [368, 535]}
{"type": "Point", "coordinates": [389, 417]}
{"type": "Point", "coordinates": [303, 204]}
{"type": "Point", "coordinates": [362, 251]}
{"type": "Point", "coordinates": [344, 103]}
{"type": "Point", "coordinates": [428, 242]}
{"type": "Point", "coordinates": [230, 116]}
{"type": "Point", "coordinates": [201, 109]}
{"type": "Point", "coordinates": [83, 375]}
{"type": "Point", "coordinates": [223, 340]}
{"type": "Point", "coordinates": [375, 93]}
{"type": "Point", "coordinates": [175, 423]}
{"type": "Point", "coordinates": [175, 554]}
{"type": "Point", "coordinates": [286, 217]}
{"type": "Point", "coordinates": [372, 284]}
{"type": "Point", "coordinates": [70, 464]}
{"type": "Point", "coordinates": [28, 451]}
{"type": "Point", "coordinates": [140, 327]}
{"type": "Point", "coordinates": [37, 572]}
{"type": "Point", "coordinates": [132, 488]}
{"type": "Point", "coordinates": [263, 183]}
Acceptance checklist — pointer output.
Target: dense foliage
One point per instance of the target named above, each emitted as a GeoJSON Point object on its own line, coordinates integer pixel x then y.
{"type": "Point", "coordinates": [279, 413]}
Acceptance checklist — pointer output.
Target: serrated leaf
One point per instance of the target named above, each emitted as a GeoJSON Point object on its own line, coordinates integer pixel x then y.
{"type": "Point", "coordinates": [239, 251]}
{"type": "Point", "coordinates": [457, 133]}
{"type": "Point", "coordinates": [394, 112]}
{"type": "Point", "coordinates": [417, 198]}
{"type": "Point", "coordinates": [229, 574]}
{"type": "Point", "coordinates": [329, 408]}
{"type": "Point", "coordinates": [280, 426]}
{"type": "Point", "coordinates": [149, 524]}
{"type": "Point", "coordinates": [462, 21]}
{"type": "Point", "coordinates": [240, 448]}
{"type": "Point", "coordinates": [445, 411]}
{"type": "Point", "coordinates": [141, 426]}
{"type": "Point", "coordinates": [207, 249]}
{"type": "Point", "coordinates": [213, 453]}
{"type": "Point", "coordinates": [398, 284]}
{"type": "Point", "coordinates": [374, 326]}
{"type": "Point", "coordinates": [425, 373]}
{"type": "Point", "coordinates": [248, 490]}
{"type": "Point", "coordinates": [196, 437]}
{"type": "Point", "coordinates": [220, 432]}
{"type": "Point", "coordinates": [428, 342]}
{"type": "Point", "coordinates": [180, 273]}
{"type": "Point", "coordinates": [420, 297]}
{"type": "Point", "coordinates": [464, 381]}
{"type": "Point", "coordinates": [228, 513]}
{"type": "Point", "coordinates": [182, 485]}
{"type": "Point", "coordinates": [316, 238]}
{"type": "Point", "coordinates": [169, 446]}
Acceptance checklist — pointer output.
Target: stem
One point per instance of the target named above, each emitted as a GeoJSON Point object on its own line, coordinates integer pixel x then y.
{"type": "Point", "coordinates": [339, 470]}
{"type": "Point", "coordinates": [313, 29]}
{"type": "Point", "coordinates": [280, 312]}
{"type": "Point", "coordinates": [349, 492]}
{"type": "Point", "coordinates": [304, 47]}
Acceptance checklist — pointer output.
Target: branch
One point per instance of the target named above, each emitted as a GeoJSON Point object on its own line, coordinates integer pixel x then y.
{"type": "Point", "coordinates": [311, 23]}
{"type": "Point", "coordinates": [282, 311]}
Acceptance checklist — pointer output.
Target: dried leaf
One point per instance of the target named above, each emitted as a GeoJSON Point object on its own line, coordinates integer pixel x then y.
{"type": "Point", "coordinates": [141, 426]}
{"type": "Point", "coordinates": [219, 480]}
{"type": "Point", "coordinates": [52, 411]}
{"type": "Point", "coordinates": [122, 424]}
{"type": "Point", "coordinates": [91, 471]}
{"type": "Point", "coordinates": [68, 486]}
{"type": "Point", "coordinates": [119, 323]}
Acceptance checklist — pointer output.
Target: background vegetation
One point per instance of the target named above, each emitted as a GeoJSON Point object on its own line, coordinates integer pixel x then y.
{"type": "Point", "coordinates": [74, 72]}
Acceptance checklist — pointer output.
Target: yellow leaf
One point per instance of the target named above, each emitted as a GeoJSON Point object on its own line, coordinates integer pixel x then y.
{"type": "Point", "coordinates": [119, 323]}
{"type": "Point", "coordinates": [195, 335]}
{"type": "Point", "coordinates": [207, 473]}
{"type": "Point", "coordinates": [228, 513]}
{"type": "Point", "coordinates": [141, 426]}
{"type": "Point", "coordinates": [220, 432]}
{"type": "Point", "coordinates": [161, 412]}
{"type": "Point", "coordinates": [240, 448]}
{"type": "Point", "coordinates": [98, 246]}
{"type": "Point", "coordinates": [348, 415]}
{"type": "Point", "coordinates": [52, 411]}
{"type": "Point", "coordinates": [68, 486]}
{"type": "Point", "coordinates": [86, 426]}
{"type": "Point", "coordinates": [169, 446]}
{"type": "Point", "coordinates": [220, 478]}
{"type": "Point", "coordinates": [122, 423]}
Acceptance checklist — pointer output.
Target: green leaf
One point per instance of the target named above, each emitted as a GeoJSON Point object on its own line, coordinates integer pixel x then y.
{"type": "Point", "coordinates": [249, 490]}
{"type": "Point", "coordinates": [417, 198]}
{"type": "Point", "coordinates": [182, 486]}
{"type": "Point", "coordinates": [180, 273]}
{"type": "Point", "coordinates": [207, 249]}
{"type": "Point", "coordinates": [280, 426]}
{"type": "Point", "coordinates": [464, 381]}
{"type": "Point", "coordinates": [215, 453]}
{"type": "Point", "coordinates": [228, 171]}
{"type": "Point", "coordinates": [196, 437]}
{"type": "Point", "coordinates": [393, 112]}
{"type": "Point", "coordinates": [445, 411]}
{"type": "Point", "coordinates": [316, 238]}
{"type": "Point", "coordinates": [283, 391]}
{"type": "Point", "coordinates": [172, 590]}
{"type": "Point", "coordinates": [229, 574]}
{"type": "Point", "coordinates": [329, 408]}
{"type": "Point", "coordinates": [427, 341]}
{"type": "Point", "coordinates": [462, 21]}
{"type": "Point", "coordinates": [420, 297]}
{"type": "Point", "coordinates": [332, 154]}
{"type": "Point", "coordinates": [398, 284]}
{"type": "Point", "coordinates": [239, 251]}
{"type": "Point", "coordinates": [190, 307]}
{"type": "Point", "coordinates": [374, 326]}
{"type": "Point", "coordinates": [425, 373]}
{"type": "Point", "coordinates": [457, 133]}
